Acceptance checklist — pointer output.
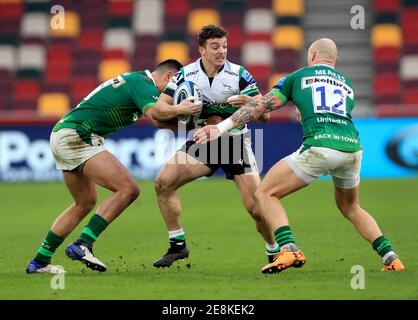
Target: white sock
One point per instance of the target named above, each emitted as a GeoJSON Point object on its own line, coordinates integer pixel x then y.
{"type": "Point", "coordinates": [272, 249]}
{"type": "Point", "coordinates": [389, 257]}
{"type": "Point", "coordinates": [175, 233]}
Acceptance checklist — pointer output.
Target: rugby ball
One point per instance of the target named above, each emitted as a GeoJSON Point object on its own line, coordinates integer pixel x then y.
{"type": "Point", "coordinates": [187, 89]}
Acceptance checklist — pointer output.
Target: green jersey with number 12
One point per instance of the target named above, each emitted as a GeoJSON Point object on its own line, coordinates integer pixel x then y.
{"type": "Point", "coordinates": [325, 99]}
{"type": "Point", "coordinates": [115, 104]}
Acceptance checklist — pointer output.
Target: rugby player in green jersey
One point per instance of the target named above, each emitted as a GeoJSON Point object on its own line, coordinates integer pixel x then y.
{"type": "Point", "coordinates": [77, 143]}
{"type": "Point", "coordinates": [325, 98]}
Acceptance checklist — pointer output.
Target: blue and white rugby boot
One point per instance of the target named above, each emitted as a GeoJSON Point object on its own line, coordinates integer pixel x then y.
{"type": "Point", "coordinates": [36, 267]}
{"type": "Point", "coordinates": [84, 253]}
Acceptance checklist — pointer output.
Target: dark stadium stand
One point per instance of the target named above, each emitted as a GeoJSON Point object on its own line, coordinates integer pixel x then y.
{"type": "Point", "coordinates": [46, 71]}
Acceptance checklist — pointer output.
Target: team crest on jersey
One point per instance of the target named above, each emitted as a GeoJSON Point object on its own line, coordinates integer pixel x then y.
{"type": "Point", "coordinates": [228, 89]}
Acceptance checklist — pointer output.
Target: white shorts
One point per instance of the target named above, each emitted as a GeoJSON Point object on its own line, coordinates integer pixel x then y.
{"type": "Point", "coordinates": [71, 152]}
{"type": "Point", "coordinates": [344, 167]}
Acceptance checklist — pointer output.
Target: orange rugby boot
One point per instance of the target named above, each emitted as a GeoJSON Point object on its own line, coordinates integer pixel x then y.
{"type": "Point", "coordinates": [285, 259]}
{"type": "Point", "coordinates": [395, 265]}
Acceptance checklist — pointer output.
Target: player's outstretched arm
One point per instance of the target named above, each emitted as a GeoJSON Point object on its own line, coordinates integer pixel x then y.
{"type": "Point", "coordinates": [241, 100]}
{"type": "Point", "coordinates": [167, 124]}
{"type": "Point", "coordinates": [253, 109]}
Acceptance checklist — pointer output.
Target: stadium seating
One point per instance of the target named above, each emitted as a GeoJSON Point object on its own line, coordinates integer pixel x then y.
{"type": "Point", "coordinates": [394, 41]}
{"type": "Point", "coordinates": [41, 65]}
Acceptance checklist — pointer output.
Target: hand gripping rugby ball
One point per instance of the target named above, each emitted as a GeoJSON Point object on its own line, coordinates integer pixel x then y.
{"type": "Point", "coordinates": [187, 90]}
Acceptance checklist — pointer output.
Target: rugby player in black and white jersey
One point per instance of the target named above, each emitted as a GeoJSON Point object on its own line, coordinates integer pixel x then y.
{"type": "Point", "coordinates": [225, 86]}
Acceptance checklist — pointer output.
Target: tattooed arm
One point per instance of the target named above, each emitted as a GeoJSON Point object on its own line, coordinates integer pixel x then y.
{"type": "Point", "coordinates": [254, 109]}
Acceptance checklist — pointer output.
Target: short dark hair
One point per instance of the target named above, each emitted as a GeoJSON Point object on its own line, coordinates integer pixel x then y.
{"type": "Point", "coordinates": [169, 64]}
{"type": "Point", "coordinates": [209, 32]}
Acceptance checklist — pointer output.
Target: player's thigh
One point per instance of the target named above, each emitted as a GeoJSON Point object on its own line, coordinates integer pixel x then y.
{"type": "Point", "coordinates": [346, 198]}
{"type": "Point", "coordinates": [280, 180]}
{"type": "Point", "coordinates": [82, 189]}
{"type": "Point", "coordinates": [347, 174]}
{"type": "Point", "coordinates": [180, 169]}
{"type": "Point", "coordinates": [106, 170]}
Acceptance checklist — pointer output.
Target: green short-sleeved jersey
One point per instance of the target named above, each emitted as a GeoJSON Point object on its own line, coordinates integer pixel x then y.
{"type": "Point", "coordinates": [325, 99]}
{"type": "Point", "coordinates": [115, 104]}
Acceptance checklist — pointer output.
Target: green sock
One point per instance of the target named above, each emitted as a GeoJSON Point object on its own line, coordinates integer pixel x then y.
{"type": "Point", "coordinates": [48, 247]}
{"type": "Point", "coordinates": [93, 229]}
{"type": "Point", "coordinates": [382, 246]}
{"type": "Point", "coordinates": [284, 236]}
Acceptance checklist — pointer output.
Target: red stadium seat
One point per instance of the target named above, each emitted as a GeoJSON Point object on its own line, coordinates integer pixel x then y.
{"type": "Point", "coordinates": [285, 60]}
{"type": "Point", "coordinates": [386, 54]}
{"type": "Point", "coordinates": [90, 39]}
{"type": "Point", "coordinates": [114, 54]}
{"type": "Point", "coordinates": [81, 87]}
{"type": "Point", "coordinates": [235, 37]}
{"type": "Point", "coordinates": [410, 96]}
{"type": "Point", "coordinates": [258, 36]}
{"type": "Point", "coordinates": [177, 8]}
{"type": "Point", "coordinates": [386, 6]}
{"type": "Point", "coordinates": [386, 85]}
{"type": "Point", "coordinates": [57, 72]}
{"type": "Point", "coordinates": [25, 94]}
{"type": "Point", "coordinates": [5, 88]}
{"type": "Point", "coordinates": [120, 8]}
{"type": "Point", "coordinates": [60, 52]}
{"type": "Point", "coordinates": [259, 72]}
{"type": "Point", "coordinates": [11, 10]}
{"type": "Point", "coordinates": [26, 89]}
{"type": "Point", "coordinates": [93, 19]}
{"type": "Point", "coordinates": [86, 63]}
{"type": "Point", "coordinates": [410, 26]}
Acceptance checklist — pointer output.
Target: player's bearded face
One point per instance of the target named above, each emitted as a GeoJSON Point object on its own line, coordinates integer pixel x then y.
{"type": "Point", "coordinates": [215, 51]}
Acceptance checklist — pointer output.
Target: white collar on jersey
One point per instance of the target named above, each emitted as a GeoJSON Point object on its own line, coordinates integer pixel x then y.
{"type": "Point", "coordinates": [149, 75]}
{"type": "Point", "coordinates": [323, 64]}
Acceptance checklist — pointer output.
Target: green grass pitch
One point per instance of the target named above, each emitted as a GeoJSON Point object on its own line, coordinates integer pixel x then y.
{"type": "Point", "coordinates": [226, 251]}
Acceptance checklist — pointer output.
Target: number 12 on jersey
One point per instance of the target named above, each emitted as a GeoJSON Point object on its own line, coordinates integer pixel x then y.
{"type": "Point", "coordinates": [329, 95]}
{"type": "Point", "coordinates": [327, 98]}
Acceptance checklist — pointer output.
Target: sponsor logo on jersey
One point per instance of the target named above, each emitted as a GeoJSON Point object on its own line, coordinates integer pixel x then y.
{"type": "Point", "coordinates": [248, 77]}
{"type": "Point", "coordinates": [231, 73]}
{"type": "Point", "coordinates": [118, 81]}
{"type": "Point", "coordinates": [331, 120]}
{"type": "Point", "coordinates": [308, 82]}
{"type": "Point", "coordinates": [191, 73]}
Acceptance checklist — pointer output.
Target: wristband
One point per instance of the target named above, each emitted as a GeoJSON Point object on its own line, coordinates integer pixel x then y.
{"type": "Point", "coordinates": [225, 125]}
